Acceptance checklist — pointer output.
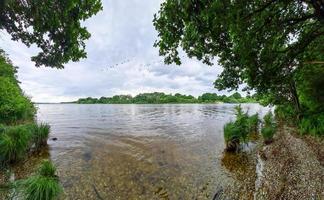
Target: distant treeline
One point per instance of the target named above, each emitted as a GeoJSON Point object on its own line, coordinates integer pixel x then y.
{"type": "Point", "coordinates": [160, 98]}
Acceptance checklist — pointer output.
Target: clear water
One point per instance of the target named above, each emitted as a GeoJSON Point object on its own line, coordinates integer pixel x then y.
{"type": "Point", "coordinates": [140, 151]}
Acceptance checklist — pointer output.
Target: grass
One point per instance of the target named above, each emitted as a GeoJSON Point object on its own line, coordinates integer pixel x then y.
{"type": "Point", "coordinates": [44, 185]}
{"type": "Point", "coordinates": [312, 125]}
{"type": "Point", "coordinates": [14, 143]}
{"type": "Point", "coordinates": [40, 134]}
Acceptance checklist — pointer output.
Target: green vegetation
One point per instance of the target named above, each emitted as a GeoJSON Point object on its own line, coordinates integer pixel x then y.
{"type": "Point", "coordinates": [14, 144]}
{"type": "Point", "coordinates": [269, 128]}
{"type": "Point", "coordinates": [253, 123]}
{"type": "Point", "coordinates": [237, 132]}
{"type": "Point", "coordinates": [17, 141]}
{"type": "Point", "coordinates": [274, 47]}
{"type": "Point", "coordinates": [313, 125]}
{"type": "Point", "coordinates": [44, 185]}
{"type": "Point", "coordinates": [160, 98]}
{"type": "Point", "coordinates": [14, 105]}
{"type": "Point", "coordinates": [40, 134]}
{"type": "Point", "coordinates": [19, 132]}
{"type": "Point", "coordinates": [54, 26]}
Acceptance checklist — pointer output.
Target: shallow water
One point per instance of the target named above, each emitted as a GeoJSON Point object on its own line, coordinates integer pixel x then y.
{"type": "Point", "coordinates": [140, 151]}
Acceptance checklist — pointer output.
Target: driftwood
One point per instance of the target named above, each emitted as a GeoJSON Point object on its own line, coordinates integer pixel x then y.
{"type": "Point", "coordinates": [218, 194]}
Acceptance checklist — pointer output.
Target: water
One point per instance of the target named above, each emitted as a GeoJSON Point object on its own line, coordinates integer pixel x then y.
{"type": "Point", "coordinates": [140, 151]}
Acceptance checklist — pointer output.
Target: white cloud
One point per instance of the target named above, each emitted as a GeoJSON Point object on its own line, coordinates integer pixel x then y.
{"type": "Point", "coordinates": [122, 34]}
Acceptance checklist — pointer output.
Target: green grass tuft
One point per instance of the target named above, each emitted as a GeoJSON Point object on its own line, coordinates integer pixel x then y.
{"type": "Point", "coordinates": [40, 134]}
{"type": "Point", "coordinates": [14, 143]}
{"type": "Point", "coordinates": [44, 185]}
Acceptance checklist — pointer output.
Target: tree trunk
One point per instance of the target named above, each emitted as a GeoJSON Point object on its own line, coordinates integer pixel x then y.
{"type": "Point", "coordinates": [295, 97]}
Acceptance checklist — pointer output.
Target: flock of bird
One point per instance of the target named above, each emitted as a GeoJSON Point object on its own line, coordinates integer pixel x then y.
{"type": "Point", "coordinates": [154, 62]}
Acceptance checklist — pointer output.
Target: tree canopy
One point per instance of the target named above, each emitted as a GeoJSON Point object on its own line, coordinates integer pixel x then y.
{"type": "Point", "coordinates": [266, 44]}
{"type": "Point", "coordinates": [161, 98]}
{"type": "Point", "coordinates": [55, 26]}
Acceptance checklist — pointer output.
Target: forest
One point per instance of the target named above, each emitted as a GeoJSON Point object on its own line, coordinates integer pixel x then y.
{"type": "Point", "coordinates": [162, 98]}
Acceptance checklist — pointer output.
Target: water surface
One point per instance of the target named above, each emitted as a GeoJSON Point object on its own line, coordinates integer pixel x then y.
{"type": "Point", "coordinates": [140, 151]}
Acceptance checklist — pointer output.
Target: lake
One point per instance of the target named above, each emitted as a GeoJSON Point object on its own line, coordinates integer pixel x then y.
{"type": "Point", "coordinates": [171, 151]}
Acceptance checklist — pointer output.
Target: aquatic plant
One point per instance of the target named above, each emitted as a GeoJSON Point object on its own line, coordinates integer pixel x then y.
{"type": "Point", "coordinates": [44, 185]}
{"type": "Point", "coordinates": [269, 128]}
{"type": "Point", "coordinates": [14, 143]}
{"type": "Point", "coordinates": [40, 134]}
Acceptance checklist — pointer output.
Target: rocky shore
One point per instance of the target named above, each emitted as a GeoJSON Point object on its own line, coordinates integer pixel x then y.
{"type": "Point", "coordinates": [290, 168]}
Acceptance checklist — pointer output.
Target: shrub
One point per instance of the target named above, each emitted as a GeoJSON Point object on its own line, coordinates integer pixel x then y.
{"type": "Point", "coordinates": [269, 128]}
{"type": "Point", "coordinates": [241, 123]}
{"type": "Point", "coordinates": [14, 106]}
{"type": "Point", "coordinates": [231, 136]}
{"type": "Point", "coordinates": [286, 112]}
{"type": "Point", "coordinates": [238, 131]}
{"type": "Point", "coordinates": [44, 185]}
{"type": "Point", "coordinates": [14, 143]}
{"type": "Point", "coordinates": [253, 123]}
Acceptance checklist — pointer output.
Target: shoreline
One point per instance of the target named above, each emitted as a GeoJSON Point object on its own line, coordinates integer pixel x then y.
{"type": "Point", "coordinates": [289, 168]}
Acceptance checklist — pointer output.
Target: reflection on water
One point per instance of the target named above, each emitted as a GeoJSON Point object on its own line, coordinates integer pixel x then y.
{"type": "Point", "coordinates": [140, 151]}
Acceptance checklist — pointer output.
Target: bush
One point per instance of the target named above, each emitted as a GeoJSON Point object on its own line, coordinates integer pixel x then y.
{"type": "Point", "coordinates": [40, 134]}
{"type": "Point", "coordinates": [269, 128]}
{"type": "Point", "coordinates": [232, 136]}
{"type": "Point", "coordinates": [44, 185]}
{"type": "Point", "coordinates": [14, 143]}
{"type": "Point", "coordinates": [253, 123]}
{"type": "Point", "coordinates": [14, 106]}
{"type": "Point", "coordinates": [238, 131]}
{"type": "Point", "coordinates": [286, 112]}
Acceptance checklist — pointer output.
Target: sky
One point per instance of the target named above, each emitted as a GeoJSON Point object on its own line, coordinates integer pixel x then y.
{"type": "Point", "coordinates": [120, 59]}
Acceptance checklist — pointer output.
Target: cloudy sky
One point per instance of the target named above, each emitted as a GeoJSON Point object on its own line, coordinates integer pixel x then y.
{"type": "Point", "coordinates": [121, 60]}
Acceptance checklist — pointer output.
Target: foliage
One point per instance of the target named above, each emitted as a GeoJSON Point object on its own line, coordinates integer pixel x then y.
{"type": "Point", "coordinates": [253, 123]}
{"type": "Point", "coordinates": [242, 122]}
{"type": "Point", "coordinates": [42, 186]}
{"type": "Point", "coordinates": [14, 105]}
{"type": "Point", "coordinates": [232, 136]}
{"type": "Point", "coordinates": [54, 26]}
{"type": "Point", "coordinates": [14, 143]}
{"type": "Point", "coordinates": [269, 128]}
{"type": "Point", "coordinates": [239, 130]}
{"type": "Point", "coordinates": [160, 98]}
{"type": "Point", "coordinates": [275, 47]}
{"type": "Point", "coordinates": [313, 125]}
{"type": "Point", "coordinates": [47, 169]}
{"type": "Point", "coordinates": [40, 134]}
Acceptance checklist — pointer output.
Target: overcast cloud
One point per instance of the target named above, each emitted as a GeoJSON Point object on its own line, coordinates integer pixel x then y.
{"type": "Point", "coordinates": [121, 60]}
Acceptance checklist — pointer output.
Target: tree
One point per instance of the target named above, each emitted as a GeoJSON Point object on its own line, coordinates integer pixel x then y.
{"type": "Point", "coordinates": [53, 25]}
{"type": "Point", "coordinates": [266, 44]}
